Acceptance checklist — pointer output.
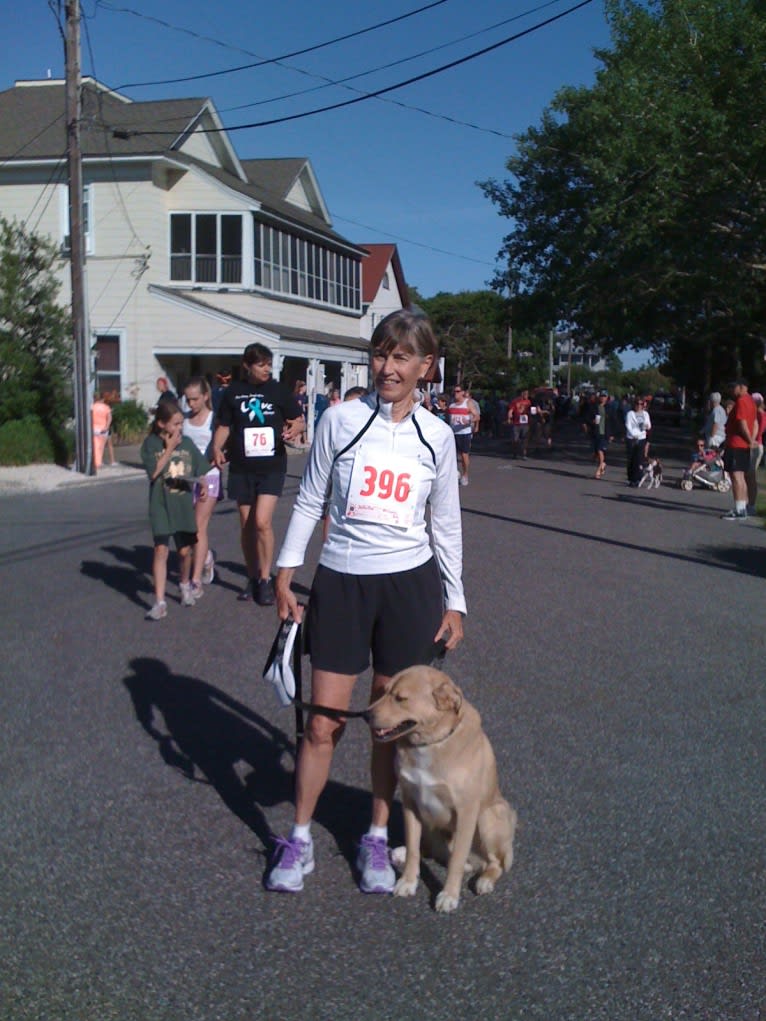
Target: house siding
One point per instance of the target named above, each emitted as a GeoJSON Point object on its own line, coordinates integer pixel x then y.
{"type": "Point", "coordinates": [132, 198]}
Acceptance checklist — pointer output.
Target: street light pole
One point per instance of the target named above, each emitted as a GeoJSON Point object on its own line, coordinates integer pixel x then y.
{"type": "Point", "coordinates": [82, 397]}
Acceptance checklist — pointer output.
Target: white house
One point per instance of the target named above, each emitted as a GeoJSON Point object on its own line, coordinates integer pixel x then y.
{"type": "Point", "coordinates": [383, 286]}
{"type": "Point", "coordinates": [191, 252]}
{"type": "Point", "coordinates": [588, 355]}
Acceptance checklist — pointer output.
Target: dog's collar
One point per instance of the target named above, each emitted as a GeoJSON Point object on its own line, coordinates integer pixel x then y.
{"type": "Point", "coordinates": [430, 744]}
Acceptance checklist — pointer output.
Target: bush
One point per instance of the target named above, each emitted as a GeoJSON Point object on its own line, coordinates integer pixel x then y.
{"type": "Point", "coordinates": [130, 421]}
{"type": "Point", "coordinates": [25, 441]}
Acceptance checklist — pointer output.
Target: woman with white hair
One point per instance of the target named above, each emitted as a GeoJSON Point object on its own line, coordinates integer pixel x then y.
{"type": "Point", "coordinates": [715, 423]}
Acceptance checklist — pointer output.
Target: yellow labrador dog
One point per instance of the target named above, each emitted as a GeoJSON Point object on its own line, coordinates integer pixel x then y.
{"type": "Point", "coordinates": [453, 809]}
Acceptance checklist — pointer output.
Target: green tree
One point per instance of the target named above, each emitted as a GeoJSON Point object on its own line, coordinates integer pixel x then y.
{"type": "Point", "coordinates": [35, 334]}
{"type": "Point", "coordinates": [472, 328]}
{"type": "Point", "coordinates": [639, 205]}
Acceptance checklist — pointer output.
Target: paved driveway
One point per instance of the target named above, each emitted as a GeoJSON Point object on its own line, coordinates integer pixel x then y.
{"type": "Point", "coordinates": [615, 650]}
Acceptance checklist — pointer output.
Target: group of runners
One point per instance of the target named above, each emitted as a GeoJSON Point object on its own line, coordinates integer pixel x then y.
{"type": "Point", "coordinates": [386, 588]}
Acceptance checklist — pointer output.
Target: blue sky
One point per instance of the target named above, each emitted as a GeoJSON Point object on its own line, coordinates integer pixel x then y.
{"type": "Point", "coordinates": [387, 172]}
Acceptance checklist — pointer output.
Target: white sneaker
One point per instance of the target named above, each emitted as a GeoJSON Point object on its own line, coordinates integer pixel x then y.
{"type": "Point", "coordinates": [294, 860]}
{"type": "Point", "coordinates": [373, 862]}
{"type": "Point", "coordinates": [187, 594]}
{"type": "Point", "coordinates": [158, 611]}
{"type": "Point", "coordinates": [208, 570]}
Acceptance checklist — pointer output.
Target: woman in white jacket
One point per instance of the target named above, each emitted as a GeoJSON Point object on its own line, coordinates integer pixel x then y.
{"type": "Point", "coordinates": [381, 586]}
{"type": "Point", "coordinates": [638, 425]}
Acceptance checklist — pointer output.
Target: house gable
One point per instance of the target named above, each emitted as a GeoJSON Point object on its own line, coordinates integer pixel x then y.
{"type": "Point", "coordinates": [290, 181]}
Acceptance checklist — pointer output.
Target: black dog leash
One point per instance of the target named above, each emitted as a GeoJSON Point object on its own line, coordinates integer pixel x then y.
{"type": "Point", "coordinates": [438, 652]}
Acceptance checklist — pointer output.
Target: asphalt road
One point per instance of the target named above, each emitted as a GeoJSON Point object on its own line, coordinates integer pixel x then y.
{"type": "Point", "coordinates": [615, 648]}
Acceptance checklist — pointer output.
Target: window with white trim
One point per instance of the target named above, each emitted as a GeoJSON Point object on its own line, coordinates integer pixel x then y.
{"type": "Point", "coordinates": [106, 351]}
{"type": "Point", "coordinates": [206, 248]}
{"type": "Point", "coordinates": [87, 219]}
{"type": "Point", "coordinates": [288, 264]}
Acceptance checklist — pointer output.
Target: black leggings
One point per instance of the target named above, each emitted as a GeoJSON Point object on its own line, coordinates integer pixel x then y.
{"type": "Point", "coordinates": [635, 451]}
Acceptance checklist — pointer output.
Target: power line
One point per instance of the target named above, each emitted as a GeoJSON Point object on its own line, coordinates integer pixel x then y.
{"type": "Point", "coordinates": [100, 104]}
{"type": "Point", "coordinates": [409, 241]}
{"type": "Point", "coordinates": [390, 88]}
{"type": "Point", "coordinates": [261, 60]}
{"type": "Point", "coordinates": [386, 67]}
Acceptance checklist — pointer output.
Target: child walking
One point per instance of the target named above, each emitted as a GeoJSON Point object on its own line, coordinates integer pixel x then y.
{"type": "Point", "coordinates": [171, 461]}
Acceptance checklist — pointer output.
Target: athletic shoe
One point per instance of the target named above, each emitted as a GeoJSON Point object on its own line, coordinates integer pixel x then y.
{"type": "Point", "coordinates": [751, 511]}
{"type": "Point", "coordinates": [247, 592]}
{"type": "Point", "coordinates": [294, 859]}
{"type": "Point", "coordinates": [734, 515]}
{"type": "Point", "coordinates": [264, 592]}
{"type": "Point", "coordinates": [208, 570]}
{"type": "Point", "coordinates": [372, 861]}
{"type": "Point", "coordinates": [158, 611]}
{"type": "Point", "coordinates": [197, 590]}
{"type": "Point", "coordinates": [187, 594]}
{"type": "Point", "coordinates": [463, 480]}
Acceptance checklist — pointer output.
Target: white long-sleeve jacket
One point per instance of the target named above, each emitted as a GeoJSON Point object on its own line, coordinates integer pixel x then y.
{"type": "Point", "coordinates": [415, 456]}
{"type": "Point", "coordinates": [637, 424]}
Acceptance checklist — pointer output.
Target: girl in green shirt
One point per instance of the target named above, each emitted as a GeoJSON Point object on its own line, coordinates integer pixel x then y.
{"type": "Point", "coordinates": [173, 463]}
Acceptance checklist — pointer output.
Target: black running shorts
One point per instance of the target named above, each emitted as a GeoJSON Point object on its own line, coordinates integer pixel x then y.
{"type": "Point", "coordinates": [394, 616]}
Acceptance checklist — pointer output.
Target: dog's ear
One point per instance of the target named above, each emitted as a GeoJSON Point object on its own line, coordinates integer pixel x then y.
{"type": "Point", "coordinates": [448, 697]}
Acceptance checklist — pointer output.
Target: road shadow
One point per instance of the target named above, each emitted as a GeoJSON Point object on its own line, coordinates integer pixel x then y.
{"type": "Point", "coordinates": [211, 738]}
{"type": "Point", "coordinates": [131, 577]}
{"type": "Point", "coordinates": [745, 560]}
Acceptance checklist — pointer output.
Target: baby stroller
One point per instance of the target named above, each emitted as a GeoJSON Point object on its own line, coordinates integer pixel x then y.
{"type": "Point", "coordinates": [706, 470]}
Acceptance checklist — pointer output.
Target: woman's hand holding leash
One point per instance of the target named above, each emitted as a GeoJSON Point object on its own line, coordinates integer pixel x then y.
{"type": "Point", "coordinates": [288, 607]}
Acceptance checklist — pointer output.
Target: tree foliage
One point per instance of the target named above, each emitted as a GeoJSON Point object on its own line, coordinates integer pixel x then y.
{"type": "Point", "coordinates": [639, 204]}
{"type": "Point", "coordinates": [35, 333]}
{"type": "Point", "coordinates": [472, 328]}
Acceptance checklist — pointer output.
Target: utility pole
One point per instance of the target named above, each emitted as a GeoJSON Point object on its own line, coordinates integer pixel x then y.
{"type": "Point", "coordinates": [82, 369]}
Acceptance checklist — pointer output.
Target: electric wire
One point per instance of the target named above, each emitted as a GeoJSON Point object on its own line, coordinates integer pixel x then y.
{"type": "Point", "coordinates": [391, 88]}
{"type": "Point", "coordinates": [99, 102]}
{"type": "Point", "coordinates": [54, 179]}
{"type": "Point", "coordinates": [386, 67]}
{"type": "Point", "coordinates": [409, 241]}
{"type": "Point", "coordinates": [261, 60]}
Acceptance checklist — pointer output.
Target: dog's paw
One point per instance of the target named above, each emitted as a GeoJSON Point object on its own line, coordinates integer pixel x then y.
{"type": "Point", "coordinates": [405, 887]}
{"type": "Point", "coordinates": [485, 884]}
{"type": "Point", "coordinates": [445, 902]}
{"type": "Point", "coordinates": [398, 856]}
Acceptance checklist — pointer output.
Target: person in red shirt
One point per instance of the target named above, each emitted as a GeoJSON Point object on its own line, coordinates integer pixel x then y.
{"type": "Point", "coordinates": [741, 438]}
{"type": "Point", "coordinates": [518, 419]}
{"type": "Point", "coordinates": [756, 453]}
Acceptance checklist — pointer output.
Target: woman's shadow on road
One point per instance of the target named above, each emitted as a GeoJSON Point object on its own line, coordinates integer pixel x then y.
{"type": "Point", "coordinates": [212, 738]}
